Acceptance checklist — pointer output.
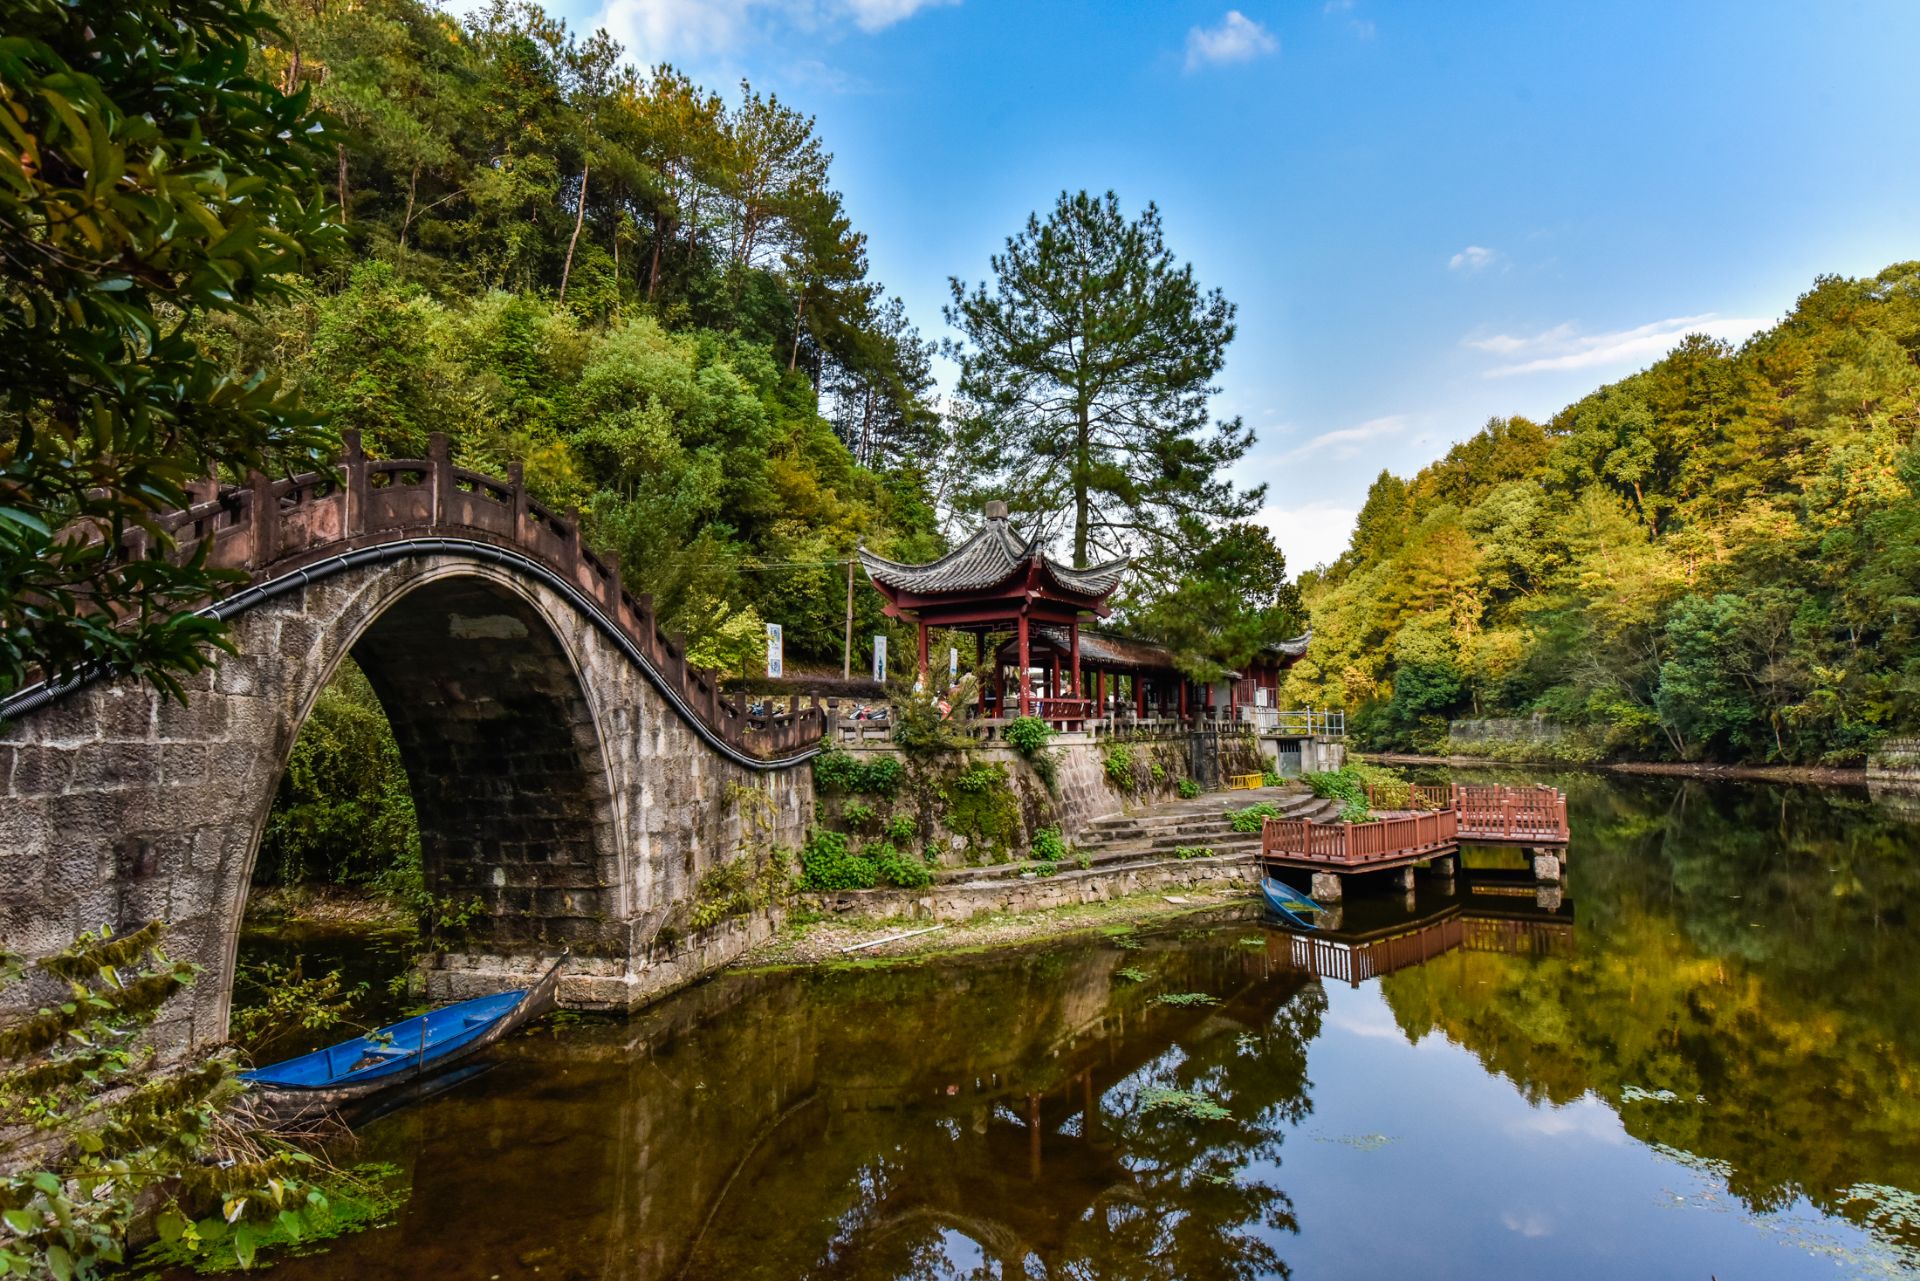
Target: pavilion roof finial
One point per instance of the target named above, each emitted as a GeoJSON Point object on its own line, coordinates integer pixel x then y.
{"type": "Point", "coordinates": [996, 510]}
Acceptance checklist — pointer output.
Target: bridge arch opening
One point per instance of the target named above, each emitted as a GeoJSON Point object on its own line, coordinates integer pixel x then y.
{"type": "Point", "coordinates": [504, 764]}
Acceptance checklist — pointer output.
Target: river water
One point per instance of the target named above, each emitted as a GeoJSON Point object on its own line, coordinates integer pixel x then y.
{"type": "Point", "coordinates": [1702, 1061]}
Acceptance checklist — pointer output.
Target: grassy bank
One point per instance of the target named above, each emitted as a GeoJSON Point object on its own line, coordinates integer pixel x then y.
{"type": "Point", "coordinates": [819, 941]}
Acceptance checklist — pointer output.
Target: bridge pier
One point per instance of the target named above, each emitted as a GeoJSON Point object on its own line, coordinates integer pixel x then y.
{"type": "Point", "coordinates": [1327, 888]}
{"type": "Point", "coordinates": [1549, 865]}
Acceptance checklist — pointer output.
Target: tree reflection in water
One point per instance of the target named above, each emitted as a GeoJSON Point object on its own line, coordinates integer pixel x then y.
{"type": "Point", "coordinates": [1035, 1144]}
{"type": "Point", "coordinates": [1739, 990]}
{"type": "Point", "coordinates": [1744, 990]}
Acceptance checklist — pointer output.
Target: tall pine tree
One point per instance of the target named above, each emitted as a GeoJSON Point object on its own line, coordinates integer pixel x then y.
{"type": "Point", "coordinates": [1086, 376]}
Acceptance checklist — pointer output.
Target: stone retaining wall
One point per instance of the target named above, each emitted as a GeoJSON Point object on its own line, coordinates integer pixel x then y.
{"type": "Point", "coordinates": [1895, 762]}
{"type": "Point", "coordinates": [959, 902]}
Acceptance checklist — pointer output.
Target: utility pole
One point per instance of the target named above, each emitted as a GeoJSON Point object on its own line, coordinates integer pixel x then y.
{"type": "Point", "coordinates": [846, 653]}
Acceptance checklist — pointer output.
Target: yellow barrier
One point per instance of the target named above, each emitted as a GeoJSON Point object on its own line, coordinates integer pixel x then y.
{"type": "Point", "coordinates": [1247, 782]}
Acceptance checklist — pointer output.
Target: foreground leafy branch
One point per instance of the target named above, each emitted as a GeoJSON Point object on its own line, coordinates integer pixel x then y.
{"type": "Point", "coordinates": [101, 1139]}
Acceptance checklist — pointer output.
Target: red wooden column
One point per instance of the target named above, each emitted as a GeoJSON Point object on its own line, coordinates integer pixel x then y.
{"type": "Point", "coordinates": [1073, 646]}
{"type": "Point", "coordinates": [1183, 698]}
{"type": "Point", "coordinates": [1139, 696]}
{"type": "Point", "coordinates": [1025, 660]}
{"type": "Point", "coordinates": [979, 661]}
{"type": "Point", "coordinates": [1100, 693]}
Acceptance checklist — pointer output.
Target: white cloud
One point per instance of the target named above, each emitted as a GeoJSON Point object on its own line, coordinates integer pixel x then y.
{"type": "Point", "coordinates": [1345, 442]}
{"type": "Point", "coordinates": [1565, 347]}
{"type": "Point", "coordinates": [1531, 1225]}
{"type": "Point", "coordinates": [1312, 534]}
{"type": "Point", "coordinates": [874, 15]}
{"type": "Point", "coordinates": [1472, 259]}
{"type": "Point", "coordinates": [657, 30]}
{"type": "Point", "coordinates": [1238, 38]}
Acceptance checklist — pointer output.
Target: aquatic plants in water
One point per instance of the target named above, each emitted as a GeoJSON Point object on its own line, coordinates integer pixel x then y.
{"type": "Point", "coordinates": [1187, 1103]}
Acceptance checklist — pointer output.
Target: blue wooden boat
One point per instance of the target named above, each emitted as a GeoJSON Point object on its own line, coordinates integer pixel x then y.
{"type": "Point", "coordinates": [343, 1076]}
{"type": "Point", "coordinates": [1288, 902]}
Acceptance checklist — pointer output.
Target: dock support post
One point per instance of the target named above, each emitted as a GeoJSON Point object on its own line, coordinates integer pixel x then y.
{"type": "Point", "coordinates": [1401, 877]}
{"type": "Point", "coordinates": [1547, 897]}
{"type": "Point", "coordinates": [1326, 888]}
{"type": "Point", "coordinates": [1547, 866]}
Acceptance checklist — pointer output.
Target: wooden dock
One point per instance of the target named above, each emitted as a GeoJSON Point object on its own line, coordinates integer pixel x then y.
{"type": "Point", "coordinates": [1430, 823]}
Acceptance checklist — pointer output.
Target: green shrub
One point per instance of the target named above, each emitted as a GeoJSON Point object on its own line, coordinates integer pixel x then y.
{"type": "Point", "coordinates": [881, 776]}
{"type": "Point", "coordinates": [838, 771]}
{"type": "Point", "coordinates": [1029, 735]}
{"type": "Point", "coordinates": [835, 771]}
{"type": "Point", "coordinates": [1132, 974]}
{"type": "Point", "coordinates": [1272, 777]}
{"type": "Point", "coordinates": [1048, 845]}
{"type": "Point", "coordinates": [1193, 851]}
{"type": "Point", "coordinates": [1185, 999]}
{"type": "Point", "coordinates": [1188, 788]}
{"type": "Point", "coordinates": [900, 829]}
{"type": "Point", "coordinates": [1158, 771]}
{"type": "Point", "coordinates": [978, 779]}
{"type": "Point", "coordinates": [858, 817]}
{"type": "Point", "coordinates": [1349, 784]}
{"type": "Point", "coordinates": [1119, 766]}
{"type": "Point", "coordinates": [981, 806]}
{"type": "Point", "coordinates": [897, 867]}
{"type": "Point", "coordinates": [827, 864]}
{"type": "Point", "coordinates": [1253, 817]}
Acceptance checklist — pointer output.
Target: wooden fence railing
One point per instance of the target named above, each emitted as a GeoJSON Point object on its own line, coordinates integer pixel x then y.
{"type": "Point", "coordinates": [1355, 844]}
{"type": "Point", "coordinates": [1487, 812]}
{"type": "Point", "coordinates": [270, 528]}
{"type": "Point", "coordinates": [1355, 962]}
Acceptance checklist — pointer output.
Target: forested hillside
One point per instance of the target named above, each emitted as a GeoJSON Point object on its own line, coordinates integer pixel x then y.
{"type": "Point", "coordinates": [652, 297]}
{"type": "Point", "coordinates": [1716, 558]}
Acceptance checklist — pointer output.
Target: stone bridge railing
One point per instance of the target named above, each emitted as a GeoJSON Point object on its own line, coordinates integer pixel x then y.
{"type": "Point", "coordinates": [275, 530]}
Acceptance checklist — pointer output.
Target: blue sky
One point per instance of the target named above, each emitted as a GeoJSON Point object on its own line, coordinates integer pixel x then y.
{"type": "Point", "coordinates": [1427, 213]}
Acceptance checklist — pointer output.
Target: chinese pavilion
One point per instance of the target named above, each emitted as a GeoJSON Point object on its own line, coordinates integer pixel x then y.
{"type": "Point", "coordinates": [998, 581]}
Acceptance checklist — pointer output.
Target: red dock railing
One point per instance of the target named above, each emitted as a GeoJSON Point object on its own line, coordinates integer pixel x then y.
{"type": "Point", "coordinates": [1411, 836]}
{"type": "Point", "coordinates": [1487, 812]}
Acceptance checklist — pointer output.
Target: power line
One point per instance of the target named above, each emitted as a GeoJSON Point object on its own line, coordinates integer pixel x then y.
{"type": "Point", "coordinates": [793, 564]}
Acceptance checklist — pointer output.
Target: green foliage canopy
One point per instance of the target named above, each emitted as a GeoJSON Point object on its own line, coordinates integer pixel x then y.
{"type": "Point", "coordinates": [147, 178]}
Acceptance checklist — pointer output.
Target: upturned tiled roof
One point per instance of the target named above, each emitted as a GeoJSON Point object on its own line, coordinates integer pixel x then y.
{"type": "Point", "coordinates": [990, 557]}
{"type": "Point", "coordinates": [1292, 648]}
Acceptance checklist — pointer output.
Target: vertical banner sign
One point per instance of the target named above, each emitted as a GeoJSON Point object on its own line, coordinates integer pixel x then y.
{"type": "Point", "coordinates": [776, 652]}
{"type": "Point", "coordinates": [880, 658]}
{"type": "Point", "coordinates": [953, 665]}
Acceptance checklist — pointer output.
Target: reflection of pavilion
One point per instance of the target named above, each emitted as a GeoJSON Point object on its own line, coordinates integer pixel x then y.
{"type": "Point", "coordinates": [1025, 1153]}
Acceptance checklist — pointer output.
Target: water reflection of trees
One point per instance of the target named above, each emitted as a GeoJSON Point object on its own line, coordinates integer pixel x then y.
{"type": "Point", "coordinates": [1029, 1137]}
{"type": "Point", "coordinates": [1745, 949]}
{"type": "Point", "coordinates": [977, 1116]}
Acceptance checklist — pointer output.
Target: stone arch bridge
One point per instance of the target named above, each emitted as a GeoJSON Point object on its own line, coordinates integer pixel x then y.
{"type": "Point", "coordinates": [568, 766]}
